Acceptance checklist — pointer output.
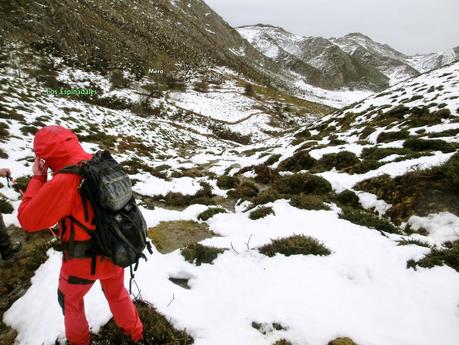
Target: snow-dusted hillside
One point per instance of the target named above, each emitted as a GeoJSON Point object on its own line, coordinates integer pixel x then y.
{"type": "Point", "coordinates": [275, 42]}
{"type": "Point", "coordinates": [363, 288]}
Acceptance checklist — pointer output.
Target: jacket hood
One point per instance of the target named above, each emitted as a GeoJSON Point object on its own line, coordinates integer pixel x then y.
{"type": "Point", "coordinates": [59, 147]}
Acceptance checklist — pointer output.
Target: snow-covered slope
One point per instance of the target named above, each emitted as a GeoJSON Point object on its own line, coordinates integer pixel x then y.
{"type": "Point", "coordinates": [428, 62]}
{"type": "Point", "coordinates": [363, 289]}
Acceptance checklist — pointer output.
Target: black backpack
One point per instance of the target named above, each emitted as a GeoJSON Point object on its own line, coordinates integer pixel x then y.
{"type": "Point", "coordinates": [121, 231]}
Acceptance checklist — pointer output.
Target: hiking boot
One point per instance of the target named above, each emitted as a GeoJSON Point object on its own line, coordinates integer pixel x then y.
{"type": "Point", "coordinates": [9, 254]}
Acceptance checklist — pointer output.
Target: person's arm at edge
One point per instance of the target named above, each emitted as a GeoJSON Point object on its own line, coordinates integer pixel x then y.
{"type": "Point", "coordinates": [45, 203]}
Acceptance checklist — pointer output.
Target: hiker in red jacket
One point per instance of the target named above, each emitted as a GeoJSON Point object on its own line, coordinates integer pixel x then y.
{"type": "Point", "coordinates": [46, 203]}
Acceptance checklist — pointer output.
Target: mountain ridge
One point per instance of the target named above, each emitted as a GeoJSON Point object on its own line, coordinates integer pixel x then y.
{"type": "Point", "coordinates": [356, 48]}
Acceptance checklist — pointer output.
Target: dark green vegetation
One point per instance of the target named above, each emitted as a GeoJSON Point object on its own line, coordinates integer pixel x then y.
{"type": "Point", "coordinates": [266, 328]}
{"type": "Point", "coordinates": [308, 202]}
{"type": "Point", "coordinates": [406, 242]}
{"type": "Point", "coordinates": [418, 192]}
{"type": "Point", "coordinates": [340, 161]}
{"type": "Point", "coordinates": [348, 198]}
{"type": "Point", "coordinates": [282, 342]}
{"type": "Point", "coordinates": [438, 257]}
{"type": "Point", "coordinates": [203, 196]}
{"type": "Point", "coordinates": [198, 254]}
{"type": "Point", "coordinates": [302, 183]}
{"type": "Point", "coordinates": [137, 38]}
{"type": "Point", "coordinates": [21, 183]}
{"type": "Point", "coordinates": [415, 144]}
{"type": "Point", "coordinates": [264, 174]}
{"type": "Point", "coordinates": [246, 189]}
{"type": "Point", "coordinates": [227, 134]}
{"type": "Point", "coordinates": [299, 161]}
{"type": "Point", "coordinates": [295, 245]}
{"type": "Point", "coordinates": [386, 137]}
{"type": "Point", "coordinates": [369, 220]}
{"type": "Point", "coordinates": [15, 278]}
{"type": "Point", "coordinates": [342, 341]}
{"type": "Point", "coordinates": [5, 205]}
{"type": "Point", "coordinates": [266, 196]}
{"type": "Point", "coordinates": [210, 212]}
{"type": "Point", "coordinates": [343, 161]}
{"type": "Point", "coordinates": [261, 212]}
{"type": "Point", "coordinates": [227, 182]}
{"type": "Point", "coordinates": [157, 330]}
{"type": "Point", "coordinates": [4, 131]}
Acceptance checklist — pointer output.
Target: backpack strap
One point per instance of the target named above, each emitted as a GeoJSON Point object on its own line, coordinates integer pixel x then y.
{"type": "Point", "coordinates": [80, 249]}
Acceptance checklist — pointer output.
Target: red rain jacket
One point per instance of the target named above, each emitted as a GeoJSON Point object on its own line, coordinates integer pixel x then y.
{"type": "Point", "coordinates": [45, 203]}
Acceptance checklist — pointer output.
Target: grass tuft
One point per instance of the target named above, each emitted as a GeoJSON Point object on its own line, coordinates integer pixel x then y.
{"type": "Point", "coordinates": [342, 341]}
{"type": "Point", "coordinates": [369, 220]}
{"type": "Point", "coordinates": [302, 183]}
{"type": "Point", "coordinates": [210, 212]}
{"type": "Point", "coordinates": [198, 254]}
{"type": "Point", "coordinates": [157, 330]}
{"type": "Point", "coordinates": [295, 245]}
{"type": "Point", "coordinates": [439, 257]}
{"type": "Point", "coordinates": [261, 212]}
{"type": "Point", "coordinates": [308, 202]}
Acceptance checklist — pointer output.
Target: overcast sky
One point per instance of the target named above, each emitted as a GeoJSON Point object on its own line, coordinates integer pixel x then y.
{"type": "Point", "coordinates": [410, 26]}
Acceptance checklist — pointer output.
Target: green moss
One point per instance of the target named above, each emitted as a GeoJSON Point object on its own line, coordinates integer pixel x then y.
{"type": "Point", "coordinates": [439, 257]}
{"type": "Point", "coordinates": [369, 220]}
{"type": "Point", "coordinates": [157, 330]}
{"type": "Point", "coordinates": [308, 202]}
{"type": "Point", "coordinates": [295, 245]}
{"type": "Point", "coordinates": [299, 161]}
{"type": "Point", "coordinates": [302, 183]}
{"type": "Point", "coordinates": [198, 254]}
{"type": "Point", "coordinates": [227, 182]}
{"type": "Point", "coordinates": [210, 212]}
{"type": "Point", "coordinates": [342, 341]}
{"type": "Point", "coordinates": [416, 144]}
{"type": "Point", "coordinates": [261, 212]}
{"type": "Point", "coordinates": [348, 198]}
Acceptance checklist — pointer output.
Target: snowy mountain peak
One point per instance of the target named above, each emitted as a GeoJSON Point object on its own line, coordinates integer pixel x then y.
{"type": "Point", "coordinates": [354, 60]}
